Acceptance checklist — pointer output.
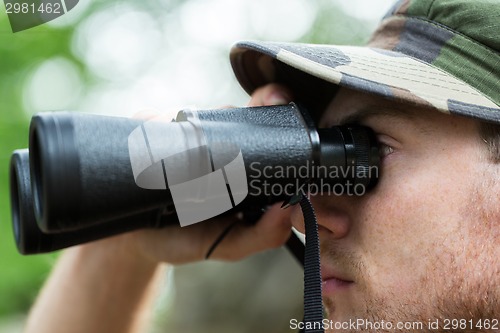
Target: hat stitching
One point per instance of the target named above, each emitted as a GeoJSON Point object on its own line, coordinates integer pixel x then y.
{"type": "Point", "coordinates": [330, 56]}
{"type": "Point", "coordinates": [422, 93]}
{"type": "Point", "coordinates": [423, 81]}
{"type": "Point", "coordinates": [410, 66]}
{"type": "Point", "coordinates": [320, 54]}
{"type": "Point", "coordinates": [408, 79]}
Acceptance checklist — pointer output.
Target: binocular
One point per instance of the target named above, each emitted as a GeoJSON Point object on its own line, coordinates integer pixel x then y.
{"type": "Point", "coordinates": [86, 177]}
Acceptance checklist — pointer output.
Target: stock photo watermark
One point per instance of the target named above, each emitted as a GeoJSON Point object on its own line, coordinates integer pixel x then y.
{"type": "Point", "coordinates": [26, 14]}
{"type": "Point", "coordinates": [205, 179]}
{"type": "Point", "coordinates": [364, 325]}
{"type": "Point", "coordinates": [328, 180]}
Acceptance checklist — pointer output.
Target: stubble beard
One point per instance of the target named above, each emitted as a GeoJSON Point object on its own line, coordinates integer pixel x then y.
{"type": "Point", "coordinates": [463, 284]}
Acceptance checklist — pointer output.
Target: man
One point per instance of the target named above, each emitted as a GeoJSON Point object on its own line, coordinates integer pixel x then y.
{"type": "Point", "coordinates": [419, 252]}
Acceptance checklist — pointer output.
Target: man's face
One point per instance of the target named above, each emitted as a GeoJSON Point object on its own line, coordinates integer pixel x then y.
{"type": "Point", "coordinates": [423, 245]}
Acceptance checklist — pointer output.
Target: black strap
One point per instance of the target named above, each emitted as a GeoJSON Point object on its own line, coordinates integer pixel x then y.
{"type": "Point", "coordinates": [313, 300]}
{"type": "Point", "coordinates": [219, 239]}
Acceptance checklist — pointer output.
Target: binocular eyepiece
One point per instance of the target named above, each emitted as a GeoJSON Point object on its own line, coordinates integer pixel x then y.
{"type": "Point", "coordinates": [87, 177]}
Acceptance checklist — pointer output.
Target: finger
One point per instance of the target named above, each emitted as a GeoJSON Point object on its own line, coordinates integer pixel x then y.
{"type": "Point", "coordinates": [178, 245]}
{"type": "Point", "coordinates": [271, 94]}
{"type": "Point", "coordinates": [271, 231]}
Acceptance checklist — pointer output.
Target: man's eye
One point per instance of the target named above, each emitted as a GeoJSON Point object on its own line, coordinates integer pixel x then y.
{"type": "Point", "coordinates": [385, 150]}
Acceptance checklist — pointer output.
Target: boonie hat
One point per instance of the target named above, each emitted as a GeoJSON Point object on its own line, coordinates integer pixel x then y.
{"type": "Point", "coordinates": [442, 54]}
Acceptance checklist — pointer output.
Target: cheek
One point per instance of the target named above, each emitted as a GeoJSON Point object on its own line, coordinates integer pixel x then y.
{"type": "Point", "coordinates": [408, 224]}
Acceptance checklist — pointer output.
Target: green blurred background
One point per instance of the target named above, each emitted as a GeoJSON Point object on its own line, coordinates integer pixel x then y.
{"type": "Point", "coordinates": [116, 58]}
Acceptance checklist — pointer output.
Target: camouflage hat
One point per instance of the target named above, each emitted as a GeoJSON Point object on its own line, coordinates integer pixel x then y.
{"type": "Point", "coordinates": [442, 54]}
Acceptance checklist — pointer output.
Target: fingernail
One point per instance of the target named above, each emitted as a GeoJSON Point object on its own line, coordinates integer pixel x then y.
{"type": "Point", "coordinates": [277, 98]}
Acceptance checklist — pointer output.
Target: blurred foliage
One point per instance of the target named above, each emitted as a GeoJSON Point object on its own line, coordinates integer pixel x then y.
{"type": "Point", "coordinates": [21, 277]}
{"type": "Point", "coordinates": [334, 26]}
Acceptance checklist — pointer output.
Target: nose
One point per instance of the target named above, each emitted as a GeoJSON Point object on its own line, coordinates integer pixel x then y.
{"type": "Point", "coordinates": [332, 215]}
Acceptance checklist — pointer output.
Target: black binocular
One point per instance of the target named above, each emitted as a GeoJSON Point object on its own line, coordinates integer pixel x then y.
{"type": "Point", "coordinates": [86, 177]}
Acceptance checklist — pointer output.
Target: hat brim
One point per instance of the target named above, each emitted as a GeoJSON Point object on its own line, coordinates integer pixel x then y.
{"type": "Point", "coordinates": [385, 73]}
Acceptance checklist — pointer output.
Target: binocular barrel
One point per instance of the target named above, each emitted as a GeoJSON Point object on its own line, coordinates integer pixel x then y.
{"type": "Point", "coordinates": [81, 173]}
{"type": "Point", "coordinates": [94, 176]}
{"type": "Point", "coordinates": [31, 240]}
